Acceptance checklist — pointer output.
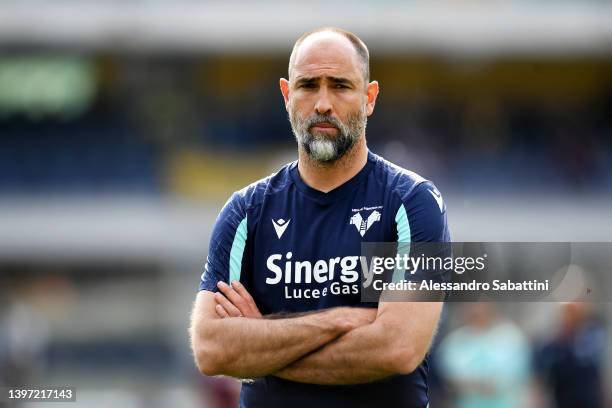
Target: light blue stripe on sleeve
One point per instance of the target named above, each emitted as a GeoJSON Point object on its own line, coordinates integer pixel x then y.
{"type": "Point", "coordinates": [237, 251]}
{"type": "Point", "coordinates": [403, 227]}
{"type": "Point", "coordinates": [403, 238]}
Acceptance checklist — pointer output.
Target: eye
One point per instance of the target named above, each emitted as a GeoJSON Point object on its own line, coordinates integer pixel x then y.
{"type": "Point", "coordinates": [307, 85]}
{"type": "Point", "coordinates": [340, 86]}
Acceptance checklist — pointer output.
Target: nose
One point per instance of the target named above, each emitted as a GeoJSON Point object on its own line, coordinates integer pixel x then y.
{"type": "Point", "coordinates": [323, 104]}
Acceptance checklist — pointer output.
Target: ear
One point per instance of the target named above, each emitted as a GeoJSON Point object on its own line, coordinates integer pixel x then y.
{"type": "Point", "coordinates": [372, 94]}
{"type": "Point", "coordinates": [284, 87]}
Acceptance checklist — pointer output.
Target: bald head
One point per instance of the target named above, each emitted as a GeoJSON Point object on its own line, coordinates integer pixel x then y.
{"type": "Point", "coordinates": [331, 40]}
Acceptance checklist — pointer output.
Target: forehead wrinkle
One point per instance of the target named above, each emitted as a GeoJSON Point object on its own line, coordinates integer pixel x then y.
{"type": "Point", "coordinates": [329, 73]}
{"type": "Point", "coordinates": [323, 66]}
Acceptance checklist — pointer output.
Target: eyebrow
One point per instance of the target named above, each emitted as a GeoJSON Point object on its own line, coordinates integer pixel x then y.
{"type": "Point", "coordinates": [332, 79]}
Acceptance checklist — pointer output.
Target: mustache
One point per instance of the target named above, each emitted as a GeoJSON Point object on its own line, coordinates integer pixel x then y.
{"type": "Point", "coordinates": [318, 118]}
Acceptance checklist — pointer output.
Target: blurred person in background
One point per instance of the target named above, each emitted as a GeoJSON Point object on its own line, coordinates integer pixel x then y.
{"type": "Point", "coordinates": [23, 336]}
{"type": "Point", "coordinates": [486, 361]}
{"type": "Point", "coordinates": [570, 364]}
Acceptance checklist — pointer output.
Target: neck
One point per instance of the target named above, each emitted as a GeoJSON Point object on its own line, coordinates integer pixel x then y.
{"type": "Point", "coordinates": [326, 177]}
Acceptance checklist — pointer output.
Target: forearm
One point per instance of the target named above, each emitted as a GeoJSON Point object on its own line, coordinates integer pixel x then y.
{"type": "Point", "coordinates": [359, 356]}
{"type": "Point", "coordinates": [392, 344]}
{"type": "Point", "coordinates": [248, 348]}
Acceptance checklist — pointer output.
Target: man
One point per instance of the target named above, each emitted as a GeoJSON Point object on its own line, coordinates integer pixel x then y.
{"type": "Point", "coordinates": [570, 364]}
{"type": "Point", "coordinates": [288, 244]}
{"type": "Point", "coordinates": [486, 360]}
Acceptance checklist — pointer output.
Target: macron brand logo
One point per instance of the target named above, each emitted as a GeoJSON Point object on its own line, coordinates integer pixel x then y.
{"type": "Point", "coordinates": [280, 226]}
{"type": "Point", "coordinates": [436, 194]}
{"type": "Point", "coordinates": [364, 225]}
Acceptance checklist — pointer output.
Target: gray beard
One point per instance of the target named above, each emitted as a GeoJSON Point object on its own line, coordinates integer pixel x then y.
{"type": "Point", "coordinates": [323, 149]}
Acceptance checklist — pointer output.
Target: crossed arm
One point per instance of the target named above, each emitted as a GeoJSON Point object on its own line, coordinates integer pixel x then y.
{"type": "Point", "coordinates": [336, 346]}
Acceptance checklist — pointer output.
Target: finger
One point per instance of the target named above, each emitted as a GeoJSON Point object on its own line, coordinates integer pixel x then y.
{"type": "Point", "coordinates": [241, 290]}
{"type": "Point", "coordinates": [239, 287]}
{"type": "Point", "coordinates": [221, 311]}
{"type": "Point", "coordinates": [227, 305]}
{"type": "Point", "coordinates": [234, 297]}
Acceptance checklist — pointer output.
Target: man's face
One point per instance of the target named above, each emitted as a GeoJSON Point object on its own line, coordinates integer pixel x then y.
{"type": "Point", "coordinates": [326, 97]}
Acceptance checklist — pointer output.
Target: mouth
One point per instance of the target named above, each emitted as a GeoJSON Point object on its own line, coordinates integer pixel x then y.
{"type": "Point", "coordinates": [324, 126]}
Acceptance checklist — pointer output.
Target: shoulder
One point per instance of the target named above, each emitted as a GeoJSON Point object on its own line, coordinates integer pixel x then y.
{"type": "Point", "coordinates": [409, 187]}
{"type": "Point", "coordinates": [418, 203]}
{"type": "Point", "coordinates": [240, 211]}
{"type": "Point", "coordinates": [396, 178]}
{"type": "Point", "coordinates": [253, 195]}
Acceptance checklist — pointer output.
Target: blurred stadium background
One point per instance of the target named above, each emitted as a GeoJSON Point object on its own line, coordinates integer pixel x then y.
{"type": "Point", "coordinates": [124, 126]}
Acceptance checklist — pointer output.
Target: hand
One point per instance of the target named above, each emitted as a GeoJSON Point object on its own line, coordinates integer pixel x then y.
{"type": "Point", "coordinates": [235, 301]}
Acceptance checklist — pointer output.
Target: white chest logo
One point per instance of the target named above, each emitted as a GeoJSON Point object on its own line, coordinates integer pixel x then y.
{"type": "Point", "coordinates": [364, 225]}
{"type": "Point", "coordinates": [280, 226]}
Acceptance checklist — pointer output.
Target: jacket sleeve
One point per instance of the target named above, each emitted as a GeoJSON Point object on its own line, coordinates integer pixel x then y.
{"type": "Point", "coordinates": [226, 247]}
{"type": "Point", "coordinates": [422, 231]}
